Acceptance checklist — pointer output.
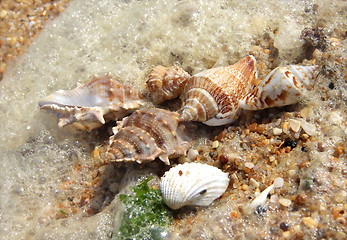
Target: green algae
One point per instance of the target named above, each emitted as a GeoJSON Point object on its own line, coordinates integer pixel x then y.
{"type": "Point", "coordinates": [145, 215]}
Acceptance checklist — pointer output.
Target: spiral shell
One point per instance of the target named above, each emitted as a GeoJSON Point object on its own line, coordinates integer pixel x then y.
{"type": "Point", "coordinates": [283, 86]}
{"type": "Point", "coordinates": [165, 83]}
{"type": "Point", "coordinates": [213, 96]}
{"type": "Point", "coordinates": [89, 106]}
{"type": "Point", "coordinates": [193, 184]}
{"type": "Point", "coordinates": [147, 134]}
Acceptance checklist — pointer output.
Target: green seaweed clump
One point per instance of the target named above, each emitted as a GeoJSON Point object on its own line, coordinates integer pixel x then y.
{"type": "Point", "coordinates": [145, 215]}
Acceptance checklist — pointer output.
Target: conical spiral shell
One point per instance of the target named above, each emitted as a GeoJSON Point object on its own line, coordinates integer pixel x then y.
{"type": "Point", "coordinates": [213, 96]}
{"type": "Point", "coordinates": [90, 105]}
{"type": "Point", "coordinates": [283, 86]}
{"type": "Point", "coordinates": [165, 83]}
{"type": "Point", "coordinates": [193, 184]}
{"type": "Point", "coordinates": [147, 134]}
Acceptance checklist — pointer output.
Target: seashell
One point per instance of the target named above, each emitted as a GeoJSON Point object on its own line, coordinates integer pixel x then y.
{"type": "Point", "coordinates": [90, 105]}
{"type": "Point", "coordinates": [192, 184]}
{"type": "Point", "coordinates": [147, 134]}
{"type": "Point", "coordinates": [283, 86]}
{"type": "Point", "coordinates": [213, 96]}
{"type": "Point", "coordinates": [165, 83]}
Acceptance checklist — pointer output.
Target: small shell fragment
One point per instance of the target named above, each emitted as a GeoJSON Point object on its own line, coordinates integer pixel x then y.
{"type": "Point", "coordinates": [90, 105]}
{"type": "Point", "coordinates": [193, 184]}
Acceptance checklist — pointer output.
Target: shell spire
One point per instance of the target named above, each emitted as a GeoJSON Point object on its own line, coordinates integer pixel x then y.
{"type": "Point", "coordinates": [213, 96]}
{"type": "Point", "coordinates": [283, 86]}
{"type": "Point", "coordinates": [165, 83]}
{"type": "Point", "coordinates": [147, 134]}
{"type": "Point", "coordinates": [90, 105]}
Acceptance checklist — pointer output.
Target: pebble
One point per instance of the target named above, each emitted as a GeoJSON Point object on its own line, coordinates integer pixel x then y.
{"type": "Point", "coordinates": [278, 183]}
{"type": "Point", "coordinates": [253, 183]}
{"type": "Point", "coordinates": [272, 158]}
{"type": "Point", "coordinates": [309, 128]}
{"type": "Point", "coordinates": [285, 202]}
{"type": "Point", "coordinates": [192, 154]}
{"type": "Point", "coordinates": [294, 125]}
{"type": "Point", "coordinates": [249, 165]}
{"type": "Point", "coordinates": [310, 222]}
{"type": "Point", "coordinates": [215, 144]}
{"type": "Point", "coordinates": [277, 131]}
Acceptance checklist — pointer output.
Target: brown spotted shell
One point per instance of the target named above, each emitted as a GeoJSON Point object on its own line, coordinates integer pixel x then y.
{"type": "Point", "coordinates": [147, 134]}
{"type": "Point", "coordinates": [90, 105]}
{"type": "Point", "coordinates": [165, 83]}
{"type": "Point", "coordinates": [213, 96]}
{"type": "Point", "coordinates": [283, 86]}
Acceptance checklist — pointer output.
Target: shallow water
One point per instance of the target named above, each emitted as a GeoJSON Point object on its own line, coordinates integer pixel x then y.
{"type": "Point", "coordinates": [127, 39]}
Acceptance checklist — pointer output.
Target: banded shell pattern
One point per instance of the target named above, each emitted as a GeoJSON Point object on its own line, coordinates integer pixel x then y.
{"type": "Point", "coordinates": [212, 96]}
{"type": "Point", "coordinates": [147, 134]}
{"type": "Point", "coordinates": [90, 105]}
{"type": "Point", "coordinates": [216, 96]}
{"type": "Point", "coordinates": [283, 86]}
{"type": "Point", "coordinates": [165, 83]}
{"type": "Point", "coordinates": [193, 184]}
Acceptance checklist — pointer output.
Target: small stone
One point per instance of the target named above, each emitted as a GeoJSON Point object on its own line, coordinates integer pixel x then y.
{"type": "Point", "coordinates": [285, 202]}
{"type": "Point", "coordinates": [253, 183]}
{"type": "Point", "coordinates": [244, 187]}
{"type": "Point", "coordinates": [294, 125]}
{"type": "Point", "coordinates": [249, 165]}
{"type": "Point", "coordinates": [272, 158]}
{"type": "Point", "coordinates": [278, 183]}
{"type": "Point", "coordinates": [192, 154]}
{"type": "Point", "coordinates": [309, 128]}
{"type": "Point", "coordinates": [310, 222]}
{"type": "Point", "coordinates": [252, 127]}
{"type": "Point", "coordinates": [277, 131]}
{"type": "Point", "coordinates": [285, 125]}
{"type": "Point", "coordinates": [215, 144]}
{"type": "Point", "coordinates": [284, 226]}
{"type": "Point", "coordinates": [3, 13]}
{"type": "Point", "coordinates": [301, 199]}
{"type": "Point", "coordinates": [286, 234]}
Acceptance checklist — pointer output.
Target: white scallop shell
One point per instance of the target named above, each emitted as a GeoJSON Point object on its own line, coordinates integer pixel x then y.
{"type": "Point", "coordinates": [193, 184]}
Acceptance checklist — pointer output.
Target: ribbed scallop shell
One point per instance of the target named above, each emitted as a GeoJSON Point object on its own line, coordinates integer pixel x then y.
{"type": "Point", "coordinates": [193, 184]}
{"type": "Point", "coordinates": [283, 86]}
{"type": "Point", "coordinates": [213, 96]}
{"type": "Point", "coordinates": [90, 105]}
{"type": "Point", "coordinates": [147, 134]}
{"type": "Point", "coordinates": [165, 83]}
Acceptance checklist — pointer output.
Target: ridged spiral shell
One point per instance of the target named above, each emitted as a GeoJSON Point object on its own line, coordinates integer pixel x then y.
{"type": "Point", "coordinates": [193, 184]}
{"type": "Point", "coordinates": [213, 96]}
{"type": "Point", "coordinates": [147, 134]}
{"type": "Point", "coordinates": [283, 86]}
{"type": "Point", "coordinates": [165, 83]}
{"type": "Point", "coordinates": [90, 105]}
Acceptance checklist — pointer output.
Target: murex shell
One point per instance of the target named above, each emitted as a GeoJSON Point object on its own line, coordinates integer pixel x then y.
{"type": "Point", "coordinates": [90, 105]}
{"type": "Point", "coordinates": [146, 134]}
{"type": "Point", "coordinates": [165, 83]}
{"type": "Point", "coordinates": [215, 96]}
{"type": "Point", "coordinates": [193, 184]}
